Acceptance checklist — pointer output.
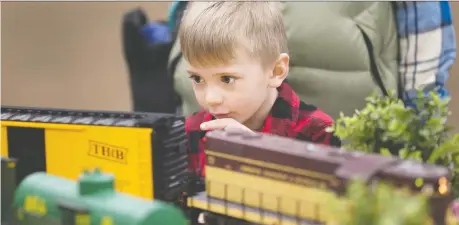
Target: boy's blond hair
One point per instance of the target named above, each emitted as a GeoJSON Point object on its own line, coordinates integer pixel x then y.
{"type": "Point", "coordinates": [212, 33]}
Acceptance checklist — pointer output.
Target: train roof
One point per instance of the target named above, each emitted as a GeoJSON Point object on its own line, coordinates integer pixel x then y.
{"type": "Point", "coordinates": [410, 168]}
{"type": "Point", "coordinates": [288, 151]}
{"type": "Point", "coordinates": [82, 117]}
{"type": "Point", "coordinates": [278, 144]}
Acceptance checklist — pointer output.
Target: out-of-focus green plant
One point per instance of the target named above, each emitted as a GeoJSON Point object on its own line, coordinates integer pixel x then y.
{"type": "Point", "coordinates": [388, 127]}
{"type": "Point", "coordinates": [383, 205]}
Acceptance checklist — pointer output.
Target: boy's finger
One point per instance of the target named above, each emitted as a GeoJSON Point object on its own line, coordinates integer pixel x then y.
{"type": "Point", "coordinates": [215, 124]}
{"type": "Point", "coordinates": [237, 129]}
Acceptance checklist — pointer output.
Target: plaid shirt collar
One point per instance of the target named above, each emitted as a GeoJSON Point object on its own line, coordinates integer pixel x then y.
{"type": "Point", "coordinates": [284, 113]}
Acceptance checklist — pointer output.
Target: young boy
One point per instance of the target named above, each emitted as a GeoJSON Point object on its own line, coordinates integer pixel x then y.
{"type": "Point", "coordinates": [237, 59]}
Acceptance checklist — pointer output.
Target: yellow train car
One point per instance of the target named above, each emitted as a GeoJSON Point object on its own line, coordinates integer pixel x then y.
{"type": "Point", "coordinates": [145, 151]}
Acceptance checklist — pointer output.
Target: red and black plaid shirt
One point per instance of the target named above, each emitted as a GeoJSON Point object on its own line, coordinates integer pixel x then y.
{"type": "Point", "coordinates": [289, 117]}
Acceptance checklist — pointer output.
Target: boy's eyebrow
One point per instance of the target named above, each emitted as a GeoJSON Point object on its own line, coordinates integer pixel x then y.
{"type": "Point", "coordinates": [217, 74]}
{"type": "Point", "coordinates": [226, 73]}
{"type": "Point", "coordinates": [191, 72]}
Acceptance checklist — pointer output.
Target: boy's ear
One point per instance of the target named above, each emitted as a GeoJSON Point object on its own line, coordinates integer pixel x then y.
{"type": "Point", "coordinates": [280, 70]}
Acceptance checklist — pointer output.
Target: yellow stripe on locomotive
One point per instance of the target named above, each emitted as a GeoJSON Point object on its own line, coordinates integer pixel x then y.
{"type": "Point", "coordinates": [127, 150]}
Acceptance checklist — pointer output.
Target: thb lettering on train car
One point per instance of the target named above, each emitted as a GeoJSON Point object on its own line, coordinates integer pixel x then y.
{"type": "Point", "coordinates": [108, 152]}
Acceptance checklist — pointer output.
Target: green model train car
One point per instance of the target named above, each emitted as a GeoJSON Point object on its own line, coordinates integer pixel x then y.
{"type": "Point", "coordinates": [43, 199]}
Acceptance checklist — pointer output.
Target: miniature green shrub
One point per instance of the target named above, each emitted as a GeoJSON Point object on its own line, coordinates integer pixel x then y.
{"type": "Point", "coordinates": [380, 206]}
{"type": "Point", "coordinates": [388, 127]}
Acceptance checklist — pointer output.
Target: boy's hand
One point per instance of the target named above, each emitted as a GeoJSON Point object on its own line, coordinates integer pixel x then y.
{"type": "Point", "coordinates": [227, 124]}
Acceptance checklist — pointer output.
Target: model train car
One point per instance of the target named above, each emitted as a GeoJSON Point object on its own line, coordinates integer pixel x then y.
{"type": "Point", "coordinates": [43, 199]}
{"type": "Point", "coordinates": [266, 179]}
{"type": "Point", "coordinates": [145, 151]}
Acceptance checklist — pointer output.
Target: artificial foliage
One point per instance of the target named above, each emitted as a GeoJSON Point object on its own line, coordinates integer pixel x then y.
{"type": "Point", "coordinates": [389, 127]}
{"type": "Point", "coordinates": [382, 205]}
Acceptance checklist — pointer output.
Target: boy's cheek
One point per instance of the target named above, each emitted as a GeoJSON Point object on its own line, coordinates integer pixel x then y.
{"type": "Point", "coordinates": [200, 99]}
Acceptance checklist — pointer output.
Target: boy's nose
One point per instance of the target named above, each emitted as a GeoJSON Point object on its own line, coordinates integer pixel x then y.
{"type": "Point", "coordinates": [213, 98]}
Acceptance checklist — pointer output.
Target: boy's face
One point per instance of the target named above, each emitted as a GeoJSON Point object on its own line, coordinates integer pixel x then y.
{"type": "Point", "coordinates": [238, 90]}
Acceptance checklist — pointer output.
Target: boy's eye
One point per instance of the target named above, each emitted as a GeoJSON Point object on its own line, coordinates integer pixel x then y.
{"type": "Point", "coordinates": [227, 79]}
{"type": "Point", "coordinates": [196, 79]}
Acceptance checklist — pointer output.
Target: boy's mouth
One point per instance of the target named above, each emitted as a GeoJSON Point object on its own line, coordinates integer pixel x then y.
{"type": "Point", "coordinates": [221, 115]}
